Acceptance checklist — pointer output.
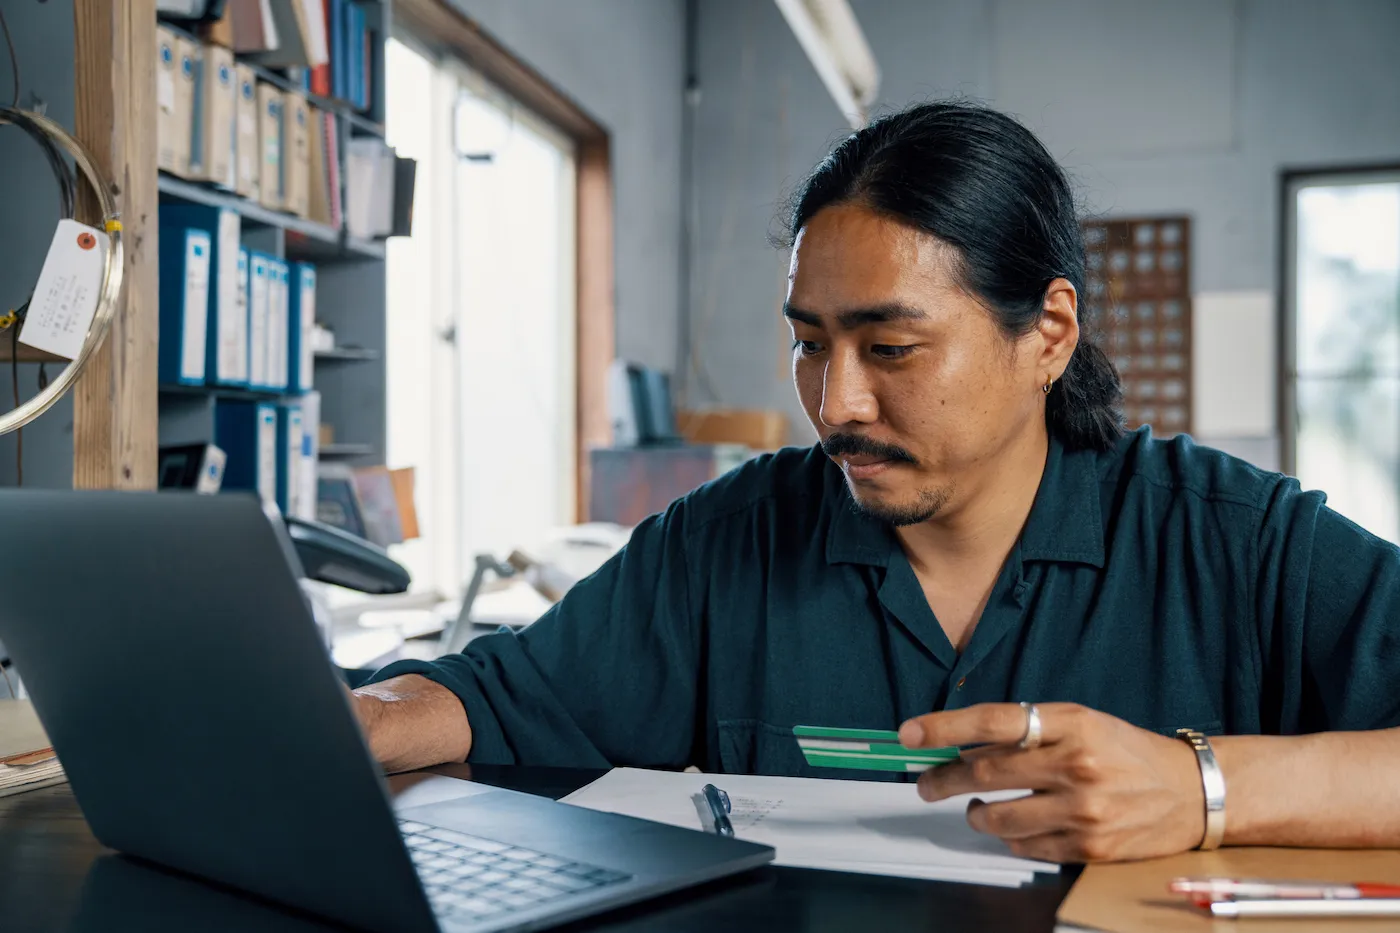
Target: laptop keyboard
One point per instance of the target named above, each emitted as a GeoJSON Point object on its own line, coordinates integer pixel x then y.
{"type": "Point", "coordinates": [468, 878]}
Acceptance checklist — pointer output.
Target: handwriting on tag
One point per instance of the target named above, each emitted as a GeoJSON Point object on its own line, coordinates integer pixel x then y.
{"type": "Point", "coordinates": [65, 298]}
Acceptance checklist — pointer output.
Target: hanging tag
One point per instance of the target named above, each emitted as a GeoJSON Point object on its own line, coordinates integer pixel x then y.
{"type": "Point", "coordinates": [65, 298]}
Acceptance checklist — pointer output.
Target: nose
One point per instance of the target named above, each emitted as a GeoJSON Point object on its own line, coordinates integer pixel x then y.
{"type": "Point", "coordinates": [847, 395]}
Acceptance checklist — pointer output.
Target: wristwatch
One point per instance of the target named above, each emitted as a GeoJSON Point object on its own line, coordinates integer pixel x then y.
{"type": "Point", "coordinates": [1213, 782]}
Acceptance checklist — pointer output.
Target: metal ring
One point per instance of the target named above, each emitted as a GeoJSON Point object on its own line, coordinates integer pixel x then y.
{"type": "Point", "coordinates": [111, 286]}
{"type": "Point", "coordinates": [1032, 737]}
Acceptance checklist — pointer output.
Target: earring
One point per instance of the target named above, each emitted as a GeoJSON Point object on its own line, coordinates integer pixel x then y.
{"type": "Point", "coordinates": [1048, 383]}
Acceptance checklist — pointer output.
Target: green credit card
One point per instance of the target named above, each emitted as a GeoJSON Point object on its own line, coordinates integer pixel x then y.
{"type": "Point", "coordinates": [866, 750]}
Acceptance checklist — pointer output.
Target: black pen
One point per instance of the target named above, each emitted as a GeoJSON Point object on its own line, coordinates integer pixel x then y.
{"type": "Point", "coordinates": [719, 809]}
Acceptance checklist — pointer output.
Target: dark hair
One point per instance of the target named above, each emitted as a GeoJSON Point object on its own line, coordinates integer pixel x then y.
{"type": "Point", "coordinates": [981, 182]}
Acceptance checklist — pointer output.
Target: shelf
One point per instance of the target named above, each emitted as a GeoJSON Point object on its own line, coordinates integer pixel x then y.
{"type": "Point", "coordinates": [306, 239]}
{"type": "Point", "coordinates": [225, 392]}
{"type": "Point", "coordinates": [338, 451]}
{"type": "Point", "coordinates": [348, 355]}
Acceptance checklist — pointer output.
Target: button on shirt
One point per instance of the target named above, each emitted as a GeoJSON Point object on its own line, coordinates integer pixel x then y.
{"type": "Point", "coordinates": [1161, 582]}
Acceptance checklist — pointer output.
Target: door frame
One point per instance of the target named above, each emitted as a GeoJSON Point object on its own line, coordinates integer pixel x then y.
{"type": "Point", "coordinates": [441, 29]}
{"type": "Point", "coordinates": [1290, 181]}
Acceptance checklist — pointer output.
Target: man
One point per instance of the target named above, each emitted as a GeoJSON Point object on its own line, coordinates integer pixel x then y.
{"type": "Point", "coordinates": [976, 537]}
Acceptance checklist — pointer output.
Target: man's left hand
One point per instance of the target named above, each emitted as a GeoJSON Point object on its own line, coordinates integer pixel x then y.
{"type": "Point", "coordinates": [1104, 790]}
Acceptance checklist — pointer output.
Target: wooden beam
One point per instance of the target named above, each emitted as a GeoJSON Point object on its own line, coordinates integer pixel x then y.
{"type": "Point", "coordinates": [596, 313]}
{"type": "Point", "coordinates": [27, 354]}
{"type": "Point", "coordinates": [115, 400]}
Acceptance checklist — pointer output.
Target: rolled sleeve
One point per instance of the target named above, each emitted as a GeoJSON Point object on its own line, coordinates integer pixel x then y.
{"type": "Point", "coordinates": [609, 676]}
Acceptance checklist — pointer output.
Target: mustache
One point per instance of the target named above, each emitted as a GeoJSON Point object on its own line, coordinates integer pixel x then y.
{"type": "Point", "coordinates": [835, 445]}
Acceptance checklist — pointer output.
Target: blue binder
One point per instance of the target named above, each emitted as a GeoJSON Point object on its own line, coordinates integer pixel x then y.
{"type": "Point", "coordinates": [338, 49]}
{"type": "Point", "coordinates": [247, 433]}
{"type": "Point", "coordinates": [226, 344]}
{"type": "Point", "coordinates": [184, 305]}
{"type": "Point", "coordinates": [301, 321]}
{"type": "Point", "coordinates": [289, 457]}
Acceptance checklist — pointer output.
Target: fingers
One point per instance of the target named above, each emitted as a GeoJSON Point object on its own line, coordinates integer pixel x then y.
{"type": "Point", "coordinates": [1060, 847]}
{"type": "Point", "coordinates": [1022, 818]}
{"type": "Point", "coordinates": [991, 723]}
{"type": "Point", "coordinates": [994, 768]}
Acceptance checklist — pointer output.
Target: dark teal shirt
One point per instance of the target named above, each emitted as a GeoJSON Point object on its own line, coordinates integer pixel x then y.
{"type": "Point", "coordinates": [1165, 583]}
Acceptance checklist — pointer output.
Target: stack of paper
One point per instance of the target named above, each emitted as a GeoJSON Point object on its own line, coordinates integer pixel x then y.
{"type": "Point", "coordinates": [860, 826]}
{"type": "Point", "coordinates": [26, 759]}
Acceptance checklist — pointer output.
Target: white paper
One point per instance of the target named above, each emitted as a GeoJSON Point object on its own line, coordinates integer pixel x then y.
{"type": "Point", "coordinates": [1235, 366]}
{"type": "Point", "coordinates": [165, 90]}
{"type": "Point", "coordinates": [65, 297]}
{"type": "Point", "coordinates": [874, 827]}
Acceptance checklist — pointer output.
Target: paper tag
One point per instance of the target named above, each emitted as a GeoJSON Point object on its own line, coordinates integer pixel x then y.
{"type": "Point", "coordinates": [165, 91]}
{"type": "Point", "coordinates": [65, 298]}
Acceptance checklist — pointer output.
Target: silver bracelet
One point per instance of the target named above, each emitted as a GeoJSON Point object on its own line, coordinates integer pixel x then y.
{"type": "Point", "coordinates": [1213, 783]}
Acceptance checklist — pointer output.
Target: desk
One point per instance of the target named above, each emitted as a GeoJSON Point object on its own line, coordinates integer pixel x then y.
{"type": "Point", "coordinates": [54, 876]}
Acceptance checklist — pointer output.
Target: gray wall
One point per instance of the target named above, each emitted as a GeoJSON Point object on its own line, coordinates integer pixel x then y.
{"type": "Point", "coordinates": [623, 62]}
{"type": "Point", "coordinates": [1192, 106]}
{"type": "Point", "coordinates": [43, 37]}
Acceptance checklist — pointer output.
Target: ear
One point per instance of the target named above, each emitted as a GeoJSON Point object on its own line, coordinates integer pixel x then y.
{"type": "Point", "coordinates": [1058, 327]}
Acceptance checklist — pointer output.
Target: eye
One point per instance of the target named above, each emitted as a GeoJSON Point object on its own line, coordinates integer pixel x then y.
{"type": "Point", "coordinates": [806, 347]}
{"type": "Point", "coordinates": [890, 352]}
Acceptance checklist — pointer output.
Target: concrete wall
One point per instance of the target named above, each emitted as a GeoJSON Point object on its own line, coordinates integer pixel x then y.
{"type": "Point", "coordinates": [1192, 106]}
{"type": "Point", "coordinates": [623, 62]}
{"type": "Point", "coordinates": [43, 37]}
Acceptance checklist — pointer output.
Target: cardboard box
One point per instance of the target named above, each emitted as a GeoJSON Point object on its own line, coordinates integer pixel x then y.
{"type": "Point", "coordinates": [296, 154]}
{"type": "Point", "coordinates": [756, 429]}
{"type": "Point", "coordinates": [271, 186]}
{"type": "Point", "coordinates": [214, 142]}
{"type": "Point", "coordinates": [247, 155]}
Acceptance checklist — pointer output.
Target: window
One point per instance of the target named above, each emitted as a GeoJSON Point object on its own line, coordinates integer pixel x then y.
{"type": "Point", "coordinates": [482, 319]}
{"type": "Point", "coordinates": [1342, 342]}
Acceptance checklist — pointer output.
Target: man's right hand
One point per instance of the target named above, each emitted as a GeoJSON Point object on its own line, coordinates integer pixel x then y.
{"type": "Point", "coordinates": [411, 722]}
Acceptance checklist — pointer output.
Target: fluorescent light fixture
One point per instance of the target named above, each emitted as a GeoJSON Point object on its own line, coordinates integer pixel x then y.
{"type": "Point", "coordinates": [828, 32]}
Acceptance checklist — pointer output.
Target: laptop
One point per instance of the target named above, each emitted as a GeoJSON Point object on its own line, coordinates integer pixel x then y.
{"type": "Point", "coordinates": [172, 658]}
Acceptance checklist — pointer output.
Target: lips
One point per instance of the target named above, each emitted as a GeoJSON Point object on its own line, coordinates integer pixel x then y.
{"type": "Point", "coordinates": [860, 467]}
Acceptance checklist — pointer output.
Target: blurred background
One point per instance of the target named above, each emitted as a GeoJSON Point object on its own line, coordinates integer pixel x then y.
{"type": "Point", "coordinates": [546, 298]}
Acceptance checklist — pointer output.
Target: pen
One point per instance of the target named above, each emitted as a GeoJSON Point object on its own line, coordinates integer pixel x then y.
{"type": "Point", "coordinates": [719, 809]}
{"type": "Point", "coordinates": [1206, 888]}
{"type": "Point", "coordinates": [1306, 907]}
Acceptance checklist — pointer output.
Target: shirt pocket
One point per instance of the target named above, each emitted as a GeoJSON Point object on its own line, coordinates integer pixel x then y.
{"type": "Point", "coordinates": [750, 746]}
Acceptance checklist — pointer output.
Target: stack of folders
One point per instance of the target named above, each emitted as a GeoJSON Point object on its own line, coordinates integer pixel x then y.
{"type": "Point", "coordinates": [217, 123]}
{"type": "Point", "coordinates": [379, 188]}
{"type": "Point", "coordinates": [27, 761]}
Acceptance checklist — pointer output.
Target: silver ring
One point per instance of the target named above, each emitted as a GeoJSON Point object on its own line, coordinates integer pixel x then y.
{"type": "Point", "coordinates": [1032, 737]}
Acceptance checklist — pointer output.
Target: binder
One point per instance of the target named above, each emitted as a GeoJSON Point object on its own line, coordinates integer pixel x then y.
{"type": "Point", "coordinates": [172, 146]}
{"type": "Point", "coordinates": [309, 474]}
{"type": "Point", "coordinates": [296, 153]}
{"type": "Point", "coordinates": [338, 46]}
{"type": "Point", "coordinates": [248, 156]}
{"type": "Point", "coordinates": [211, 155]}
{"type": "Point", "coordinates": [247, 433]}
{"type": "Point", "coordinates": [333, 178]}
{"type": "Point", "coordinates": [277, 326]}
{"type": "Point", "coordinates": [301, 352]}
{"type": "Point", "coordinates": [289, 446]}
{"type": "Point", "coordinates": [184, 305]}
{"type": "Point", "coordinates": [259, 313]}
{"type": "Point", "coordinates": [321, 74]}
{"type": "Point", "coordinates": [226, 357]}
{"type": "Point", "coordinates": [270, 183]}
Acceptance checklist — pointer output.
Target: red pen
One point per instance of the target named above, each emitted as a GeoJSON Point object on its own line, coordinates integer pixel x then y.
{"type": "Point", "coordinates": [1208, 889]}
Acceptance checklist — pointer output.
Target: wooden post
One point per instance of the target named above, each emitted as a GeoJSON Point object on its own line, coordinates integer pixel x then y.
{"type": "Point", "coordinates": [115, 400]}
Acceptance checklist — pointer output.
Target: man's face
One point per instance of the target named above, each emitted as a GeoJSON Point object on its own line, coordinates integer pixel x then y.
{"type": "Point", "coordinates": [907, 379]}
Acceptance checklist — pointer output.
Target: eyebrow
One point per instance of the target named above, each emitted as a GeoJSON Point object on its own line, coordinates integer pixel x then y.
{"type": "Point", "coordinates": [858, 317]}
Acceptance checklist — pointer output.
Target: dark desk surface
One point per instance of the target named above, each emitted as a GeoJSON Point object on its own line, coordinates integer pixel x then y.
{"type": "Point", "coordinates": [54, 876]}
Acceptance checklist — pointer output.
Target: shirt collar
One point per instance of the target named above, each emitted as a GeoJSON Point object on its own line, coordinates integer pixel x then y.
{"type": "Point", "coordinates": [1065, 524]}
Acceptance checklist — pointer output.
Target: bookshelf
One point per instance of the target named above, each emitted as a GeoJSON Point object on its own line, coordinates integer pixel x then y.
{"type": "Point", "coordinates": [350, 291]}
